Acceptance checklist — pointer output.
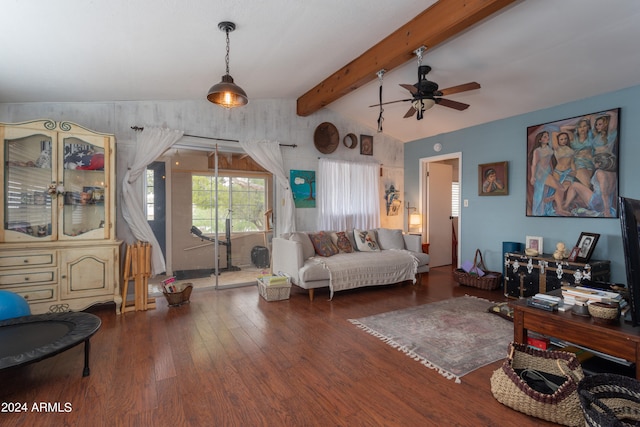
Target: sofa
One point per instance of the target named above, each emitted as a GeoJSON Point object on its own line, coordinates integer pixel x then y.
{"type": "Point", "coordinates": [348, 259]}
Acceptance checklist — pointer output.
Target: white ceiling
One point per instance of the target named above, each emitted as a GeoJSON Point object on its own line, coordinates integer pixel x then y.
{"type": "Point", "coordinates": [532, 55]}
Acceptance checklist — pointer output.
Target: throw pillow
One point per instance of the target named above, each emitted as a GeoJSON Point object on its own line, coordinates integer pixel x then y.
{"type": "Point", "coordinates": [323, 244]}
{"type": "Point", "coordinates": [390, 239]}
{"type": "Point", "coordinates": [342, 242]}
{"type": "Point", "coordinates": [366, 240]}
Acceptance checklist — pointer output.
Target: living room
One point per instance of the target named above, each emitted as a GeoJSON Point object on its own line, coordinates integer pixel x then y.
{"type": "Point", "coordinates": [485, 223]}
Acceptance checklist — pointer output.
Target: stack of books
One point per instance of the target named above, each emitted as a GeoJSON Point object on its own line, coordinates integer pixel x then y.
{"type": "Point", "coordinates": [274, 280]}
{"type": "Point", "coordinates": [544, 302]}
{"type": "Point", "coordinates": [569, 294]}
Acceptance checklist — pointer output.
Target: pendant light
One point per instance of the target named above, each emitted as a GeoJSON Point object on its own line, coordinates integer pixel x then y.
{"type": "Point", "coordinates": [226, 93]}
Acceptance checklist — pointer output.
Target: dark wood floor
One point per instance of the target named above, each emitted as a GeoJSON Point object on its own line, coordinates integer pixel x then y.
{"type": "Point", "coordinates": [232, 359]}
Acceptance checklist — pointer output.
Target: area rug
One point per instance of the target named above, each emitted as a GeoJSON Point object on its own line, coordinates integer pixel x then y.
{"type": "Point", "coordinates": [454, 336]}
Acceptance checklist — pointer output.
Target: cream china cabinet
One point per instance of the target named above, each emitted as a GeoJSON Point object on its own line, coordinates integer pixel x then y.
{"type": "Point", "coordinates": [57, 244]}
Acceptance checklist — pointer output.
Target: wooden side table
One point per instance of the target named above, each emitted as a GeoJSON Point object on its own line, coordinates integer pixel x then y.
{"type": "Point", "coordinates": [622, 340]}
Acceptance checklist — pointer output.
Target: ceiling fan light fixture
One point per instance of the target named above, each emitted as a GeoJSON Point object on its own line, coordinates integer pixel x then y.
{"type": "Point", "coordinates": [227, 94]}
{"type": "Point", "coordinates": [424, 104]}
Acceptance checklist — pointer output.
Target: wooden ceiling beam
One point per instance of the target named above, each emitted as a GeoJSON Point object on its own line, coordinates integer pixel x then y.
{"type": "Point", "coordinates": [440, 22]}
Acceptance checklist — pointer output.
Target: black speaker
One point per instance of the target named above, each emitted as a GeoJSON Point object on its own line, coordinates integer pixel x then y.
{"type": "Point", "coordinates": [260, 256]}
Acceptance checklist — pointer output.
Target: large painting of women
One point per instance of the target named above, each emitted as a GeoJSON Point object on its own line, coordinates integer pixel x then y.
{"type": "Point", "coordinates": [572, 166]}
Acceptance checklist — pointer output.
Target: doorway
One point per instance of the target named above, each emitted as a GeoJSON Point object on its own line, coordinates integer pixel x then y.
{"type": "Point", "coordinates": [156, 198]}
{"type": "Point", "coordinates": [440, 184]}
{"type": "Point", "coordinates": [240, 194]}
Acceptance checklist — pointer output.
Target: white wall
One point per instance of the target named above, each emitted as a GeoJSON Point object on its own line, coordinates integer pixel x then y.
{"type": "Point", "coordinates": [272, 119]}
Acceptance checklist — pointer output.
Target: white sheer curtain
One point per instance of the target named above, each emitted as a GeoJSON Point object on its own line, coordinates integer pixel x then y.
{"type": "Point", "coordinates": [347, 195]}
{"type": "Point", "coordinates": [268, 155]}
{"type": "Point", "coordinates": [151, 143]}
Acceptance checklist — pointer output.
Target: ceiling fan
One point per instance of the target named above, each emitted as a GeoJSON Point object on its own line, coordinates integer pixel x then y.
{"type": "Point", "coordinates": [425, 93]}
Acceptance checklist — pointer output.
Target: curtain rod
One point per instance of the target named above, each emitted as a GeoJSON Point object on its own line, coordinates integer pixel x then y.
{"type": "Point", "coordinates": [139, 129]}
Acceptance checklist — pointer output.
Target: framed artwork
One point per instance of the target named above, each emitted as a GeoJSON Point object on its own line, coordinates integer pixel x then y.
{"type": "Point", "coordinates": [366, 145]}
{"type": "Point", "coordinates": [392, 201]}
{"type": "Point", "coordinates": [572, 166]}
{"type": "Point", "coordinates": [493, 179]}
{"type": "Point", "coordinates": [303, 187]}
{"type": "Point", "coordinates": [534, 242]}
{"type": "Point", "coordinates": [586, 244]}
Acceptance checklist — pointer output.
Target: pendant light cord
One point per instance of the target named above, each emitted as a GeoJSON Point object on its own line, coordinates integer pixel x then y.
{"type": "Point", "coordinates": [226, 58]}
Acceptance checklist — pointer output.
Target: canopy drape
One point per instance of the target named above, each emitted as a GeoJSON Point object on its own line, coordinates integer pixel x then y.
{"type": "Point", "coordinates": [268, 155]}
{"type": "Point", "coordinates": [151, 144]}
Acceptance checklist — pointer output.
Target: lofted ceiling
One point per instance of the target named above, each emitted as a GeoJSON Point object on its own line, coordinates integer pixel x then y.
{"type": "Point", "coordinates": [532, 54]}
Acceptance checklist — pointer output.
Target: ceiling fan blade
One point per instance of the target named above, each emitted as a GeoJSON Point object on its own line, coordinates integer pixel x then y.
{"type": "Point", "coordinates": [452, 104]}
{"type": "Point", "coordinates": [410, 88]}
{"type": "Point", "coordinates": [410, 113]}
{"type": "Point", "coordinates": [391, 102]}
{"type": "Point", "coordinates": [460, 88]}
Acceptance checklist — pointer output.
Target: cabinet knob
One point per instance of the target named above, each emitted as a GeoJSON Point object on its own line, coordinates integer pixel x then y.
{"type": "Point", "coordinates": [26, 261]}
{"type": "Point", "coordinates": [26, 279]}
{"type": "Point", "coordinates": [64, 276]}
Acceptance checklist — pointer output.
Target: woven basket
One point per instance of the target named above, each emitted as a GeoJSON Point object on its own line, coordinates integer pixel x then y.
{"type": "Point", "coordinates": [178, 298]}
{"type": "Point", "coordinates": [274, 293]}
{"type": "Point", "coordinates": [562, 407]}
{"type": "Point", "coordinates": [490, 281]}
{"type": "Point", "coordinates": [610, 400]}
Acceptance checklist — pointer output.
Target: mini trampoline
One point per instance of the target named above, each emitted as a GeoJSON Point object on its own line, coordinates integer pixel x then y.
{"type": "Point", "coordinates": [30, 339]}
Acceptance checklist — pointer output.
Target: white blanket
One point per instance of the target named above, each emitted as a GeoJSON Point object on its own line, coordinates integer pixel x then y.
{"type": "Point", "coordinates": [357, 269]}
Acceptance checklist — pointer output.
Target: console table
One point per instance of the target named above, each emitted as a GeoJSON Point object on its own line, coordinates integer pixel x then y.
{"type": "Point", "coordinates": [622, 340]}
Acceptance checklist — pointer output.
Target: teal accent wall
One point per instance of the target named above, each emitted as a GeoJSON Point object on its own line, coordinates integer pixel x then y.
{"type": "Point", "coordinates": [489, 221]}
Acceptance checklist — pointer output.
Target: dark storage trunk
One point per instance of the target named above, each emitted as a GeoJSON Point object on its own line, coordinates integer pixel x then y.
{"type": "Point", "coordinates": [525, 275]}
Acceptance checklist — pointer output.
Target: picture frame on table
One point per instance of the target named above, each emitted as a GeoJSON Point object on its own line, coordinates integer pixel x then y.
{"type": "Point", "coordinates": [574, 254]}
{"type": "Point", "coordinates": [586, 244]}
{"type": "Point", "coordinates": [534, 242]}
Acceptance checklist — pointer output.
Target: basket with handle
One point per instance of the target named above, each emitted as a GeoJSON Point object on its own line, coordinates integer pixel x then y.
{"type": "Point", "coordinates": [490, 280]}
{"type": "Point", "coordinates": [561, 405]}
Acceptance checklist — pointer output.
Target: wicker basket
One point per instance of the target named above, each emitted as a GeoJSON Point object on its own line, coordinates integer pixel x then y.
{"type": "Point", "coordinates": [610, 400]}
{"type": "Point", "coordinates": [274, 292]}
{"type": "Point", "coordinates": [490, 281]}
{"type": "Point", "coordinates": [562, 406]}
{"type": "Point", "coordinates": [176, 299]}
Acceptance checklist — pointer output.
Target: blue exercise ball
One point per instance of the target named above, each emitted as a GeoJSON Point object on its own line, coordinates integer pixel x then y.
{"type": "Point", "coordinates": [13, 305]}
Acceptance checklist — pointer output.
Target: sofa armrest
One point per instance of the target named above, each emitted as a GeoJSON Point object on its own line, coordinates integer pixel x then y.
{"type": "Point", "coordinates": [287, 257]}
{"type": "Point", "coordinates": [413, 242]}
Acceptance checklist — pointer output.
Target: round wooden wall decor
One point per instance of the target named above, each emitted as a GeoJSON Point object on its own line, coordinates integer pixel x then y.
{"type": "Point", "coordinates": [326, 138]}
{"type": "Point", "coordinates": [350, 137]}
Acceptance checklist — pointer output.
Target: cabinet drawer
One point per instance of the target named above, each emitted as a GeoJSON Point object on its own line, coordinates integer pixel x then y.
{"type": "Point", "coordinates": [28, 277]}
{"type": "Point", "coordinates": [13, 260]}
{"type": "Point", "coordinates": [38, 294]}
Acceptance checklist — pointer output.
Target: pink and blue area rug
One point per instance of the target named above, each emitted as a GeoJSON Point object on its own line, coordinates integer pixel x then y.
{"type": "Point", "coordinates": [454, 336]}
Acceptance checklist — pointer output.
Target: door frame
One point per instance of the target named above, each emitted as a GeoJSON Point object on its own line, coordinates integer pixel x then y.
{"type": "Point", "coordinates": [423, 186]}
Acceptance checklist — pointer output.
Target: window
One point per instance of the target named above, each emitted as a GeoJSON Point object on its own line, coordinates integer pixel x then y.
{"type": "Point", "coordinates": [347, 195]}
{"type": "Point", "coordinates": [455, 199]}
{"type": "Point", "coordinates": [240, 198]}
{"type": "Point", "coordinates": [150, 195]}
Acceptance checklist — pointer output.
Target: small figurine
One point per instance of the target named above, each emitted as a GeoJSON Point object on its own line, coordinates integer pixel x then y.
{"type": "Point", "coordinates": [560, 252]}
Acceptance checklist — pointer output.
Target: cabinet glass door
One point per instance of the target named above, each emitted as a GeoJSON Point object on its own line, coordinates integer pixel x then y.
{"type": "Point", "coordinates": [83, 174]}
{"type": "Point", "coordinates": [29, 160]}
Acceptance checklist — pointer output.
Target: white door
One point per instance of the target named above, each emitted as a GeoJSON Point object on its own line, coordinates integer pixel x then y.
{"type": "Point", "coordinates": [438, 204]}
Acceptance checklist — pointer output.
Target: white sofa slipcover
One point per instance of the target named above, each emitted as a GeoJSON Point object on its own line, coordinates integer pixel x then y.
{"type": "Point", "coordinates": [294, 255]}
